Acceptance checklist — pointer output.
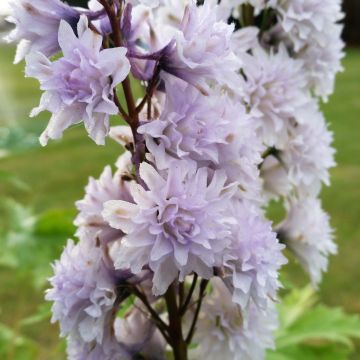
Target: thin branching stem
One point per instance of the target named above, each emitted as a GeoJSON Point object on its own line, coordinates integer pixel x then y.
{"type": "Point", "coordinates": [202, 290]}
{"type": "Point", "coordinates": [161, 325]}
{"type": "Point", "coordinates": [185, 306]}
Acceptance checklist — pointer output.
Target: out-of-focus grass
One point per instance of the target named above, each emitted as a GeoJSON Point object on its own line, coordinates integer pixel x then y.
{"type": "Point", "coordinates": [57, 175]}
{"type": "Point", "coordinates": [342, 199]}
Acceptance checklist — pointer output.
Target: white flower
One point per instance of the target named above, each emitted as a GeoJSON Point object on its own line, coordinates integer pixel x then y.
{"type": "Point", "coordinates": [253, 260]}
{"type": "Point", "coordinates": [275, 178]}
{"type": "Point", "coordinates": [244, 39]}
{"type": "Point", "coordinates": [308, 154]}
{"type": "Point", "coordinates": [275, 91]}
{"type": "Point", "coordinates": [307, 232]}
{"type": "Point", "coordinates": [226, 332]}
{"type": "Point", "coordinates": [178, 225]}
{"type": "Point", "coordinates": [149, 3]}
{"type": "Point", "coordinates": [312, 30]}
{"type": "Point", "coordinates": [171, 11]}
{"type": "Point", "coordinates": [307, 20]}
{"type": "Point", "coordinates": [322, 63]}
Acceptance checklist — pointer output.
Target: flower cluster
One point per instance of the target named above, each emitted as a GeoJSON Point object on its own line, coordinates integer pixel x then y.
{"type": "Point", "coordinates": [225, 333]}
{"type": "Point", "coordinates": [312, 31]}
{"type": "Point", "coordinates": [229, 120]}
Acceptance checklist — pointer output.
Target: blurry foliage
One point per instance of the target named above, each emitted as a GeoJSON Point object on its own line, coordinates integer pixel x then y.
{"type": "Point", "coordinates": [16, 139]}
{"type": "Point", "coordinates": [313, 331]}
{"type": "Point", "coordinates": [28, 242]}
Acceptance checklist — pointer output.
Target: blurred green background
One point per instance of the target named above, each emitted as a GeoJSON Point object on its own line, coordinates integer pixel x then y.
{"type": "Point", "coordinates": [38, 187]}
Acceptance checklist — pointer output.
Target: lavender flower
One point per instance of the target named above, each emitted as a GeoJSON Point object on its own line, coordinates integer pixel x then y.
{"type": "Point", "coordinates": [79, 86]}
{"type": "Point", "coordinates": [201, 49]}
{"type": "Point", "coordinates": [178, 225]}
{"type": "Point", "coordinates": [307, 232]}
{"type": "Point", "coordinates": [254, 258]}
{"type": "Point", "coordinates": [83, 292]}
{"type": "Point", "coordinates": [226, 332]}
{"type": "Point", "coordinates": [37, 23]}
{"type": "Point", "coordinates": [90, 223]}
{"type": "Point", "coordinates": [211, 130]}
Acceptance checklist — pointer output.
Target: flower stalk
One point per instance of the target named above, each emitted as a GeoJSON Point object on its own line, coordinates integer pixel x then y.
{"type": "Point", "coordinates": [174, 247]}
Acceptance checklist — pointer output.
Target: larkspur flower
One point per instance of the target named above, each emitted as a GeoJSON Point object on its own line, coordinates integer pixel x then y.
{"type": "Point", "coordinates": [253, 260]}
{"type": "Point", "coordinates": [313, 32]}
{"type": "Point", "coordinates": [201, 50]}
{"type": "Point", "coordinates": [110, 349]}
{"type": "Point", "coordinates": [308, 234]}
{"type": "Point", "coordinates": [322, 63]}
{"type": "Point", "coordinates": [90, 223]}
{"type": "Point", "coordinates": [149, 3]}
{"type": "Point", "coordinates": [275, 90]}
{"type": "Point", "coordinates": [308, 154]}
{"type": "Point", "coordinates": [190, 127]}
{"type": "Point", "coordinates": [302, 19]}
{"type": "Point", "coordinates": [143, 35]}
{"type": "Point", "coordinates": [171, 11]}
{"type": "Point", "coordinates": [212, 130]}
{"type": "Point", "coordinates": [139, 335]}
{"type": "Point", "coordinates": [79, 86]}
{"type": "Point", "coordinates": [229, 121]}
{"type": "Point", "coordinates": [226, 332]}
{"type": "Point", "coordinates": [83, 291]}
{"type": "Point", "coordinates": [244, 40]}
{"type": "Point", "coordinates": [178, 225]}
{"type": "Point", "coordinates": [36, 25]}
{"type": "Point", "coordinates": [275, 178]}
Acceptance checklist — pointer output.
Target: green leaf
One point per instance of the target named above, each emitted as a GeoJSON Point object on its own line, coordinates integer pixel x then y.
{"type": "Point", "coordinates": [295, 304]}
{"type": "Point", "coordinates": [56, 222]}
{"type": "Point", "coordinates": [302, 352]}
{"type": "Point", "coordinates": [313, 332]}
{"type": "Point", "coordinates": [322, 324]}
{"type": "Point", "coordinates": [126, 306]}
